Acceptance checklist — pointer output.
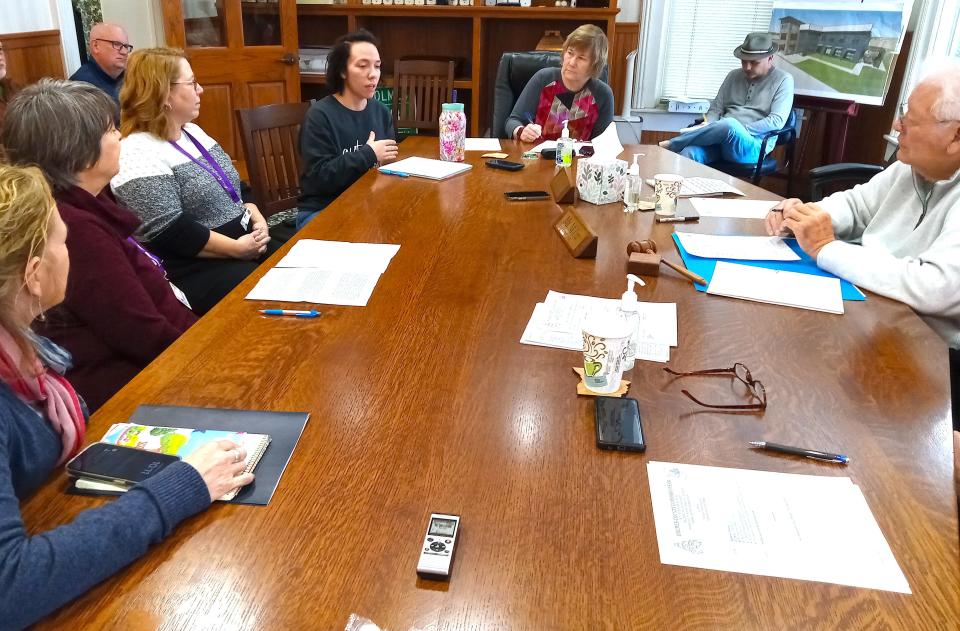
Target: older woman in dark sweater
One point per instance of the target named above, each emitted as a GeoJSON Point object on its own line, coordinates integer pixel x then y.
{"type": "Point", "coordinates": [42, 425]}
{"type": "Point", "coordinates": [120, 311]}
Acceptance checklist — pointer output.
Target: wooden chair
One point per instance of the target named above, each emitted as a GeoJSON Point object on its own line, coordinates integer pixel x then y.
{"type": "Point", "coordinates": [420, 87]}
{"type": "Point", "coordinates": [271, 144]}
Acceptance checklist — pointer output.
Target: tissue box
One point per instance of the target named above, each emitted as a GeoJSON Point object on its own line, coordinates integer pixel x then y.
{"type": "Point", "coordinates": [600, 181]}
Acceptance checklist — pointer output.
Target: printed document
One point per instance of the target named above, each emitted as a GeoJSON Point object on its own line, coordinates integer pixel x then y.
{"type": "Point", "coordinates": [700, 186]}
{"type": "Point", "coordinates": [806, 527]}
{"type": "Point", "coordinates": [715, 246]}
{"type": "Point", "coordinates": [558, 323]}
{"type": "Point", "coordinates": [736, 208]}
{"type": "Point", "coordinates": [778, 287]}
{"type": "Point", "coordinates": [304, 284]}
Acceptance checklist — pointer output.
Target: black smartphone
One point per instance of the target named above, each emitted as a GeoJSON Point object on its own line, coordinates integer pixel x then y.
{"type": "Point", "coordinates": [506, 165]}
{"type": "Point", "coordinates": [519, 196]}
{"type": "Point", "coordinates": [618, 424]}
{"type": "Point", "coordinates": [116, 464]}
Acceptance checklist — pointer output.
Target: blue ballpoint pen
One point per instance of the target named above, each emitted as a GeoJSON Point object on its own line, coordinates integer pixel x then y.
{"type": "Point", "coordinates": [397, 173]}
{"type": "Point", "coordinates": [799, 451]}
{"type": "Point", "coordinates": [313, 313]}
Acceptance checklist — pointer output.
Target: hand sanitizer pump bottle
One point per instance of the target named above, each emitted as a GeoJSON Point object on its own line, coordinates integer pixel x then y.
{"type": "Point", "coordinates": [564, 147]}
{"type": "Point", "coordinates": [633, 185]}
{"type": "Point", "coordinates": [629, 312]}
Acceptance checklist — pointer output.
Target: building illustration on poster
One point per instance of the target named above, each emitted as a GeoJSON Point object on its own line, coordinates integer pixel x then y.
{"type": "Point", "coordinates": [847, 51]}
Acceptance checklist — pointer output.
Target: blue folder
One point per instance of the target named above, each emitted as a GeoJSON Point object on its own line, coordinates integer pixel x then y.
{"type": "Point", "coordinates": [806, 265]}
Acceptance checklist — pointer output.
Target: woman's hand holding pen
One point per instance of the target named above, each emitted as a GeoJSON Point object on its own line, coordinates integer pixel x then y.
{"type": "Point", "coordinates": [530, 132]}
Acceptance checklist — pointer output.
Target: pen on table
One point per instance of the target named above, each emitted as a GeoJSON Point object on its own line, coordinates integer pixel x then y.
{"type": "Point", "coordinates": [799, 451]}
{"type": "Point", "coordinates": [677, 218]}
{"type": "Point", "coordinates": [313, 313]}
{"type": "Point", "coordinates": [392, 172]}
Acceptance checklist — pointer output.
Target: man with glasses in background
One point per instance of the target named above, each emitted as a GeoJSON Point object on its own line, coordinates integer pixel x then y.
{"type": "Point", "coordinates": [109, 48]}
{"type": "Point", "coordinates": [899, 234]}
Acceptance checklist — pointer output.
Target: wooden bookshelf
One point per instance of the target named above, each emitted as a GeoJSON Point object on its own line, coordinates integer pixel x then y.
{"type": "Point", "coordinates": [476, 36]}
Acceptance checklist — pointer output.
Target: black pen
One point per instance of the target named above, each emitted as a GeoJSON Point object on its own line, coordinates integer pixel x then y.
{"type": "Point", "coordinates": [677, 218]}
{"type": "Point", "coordinates": [799, 451]}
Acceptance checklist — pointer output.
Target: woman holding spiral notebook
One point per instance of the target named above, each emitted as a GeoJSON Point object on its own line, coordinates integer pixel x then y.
{"type": "Point", "coordinates": [43, 422]}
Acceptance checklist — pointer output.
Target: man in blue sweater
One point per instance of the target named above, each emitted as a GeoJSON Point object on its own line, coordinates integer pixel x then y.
{"type": "Point", "coordinates": [752, 100]}
{"type": "Point", "coordinates": [109, 48]}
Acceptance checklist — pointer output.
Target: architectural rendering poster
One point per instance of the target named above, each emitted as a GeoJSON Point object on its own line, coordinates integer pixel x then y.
{"type": "Point", "coordinates": [840, 49]}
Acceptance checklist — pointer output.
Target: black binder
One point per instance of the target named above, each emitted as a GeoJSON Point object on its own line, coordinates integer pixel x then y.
{"type": "Point", "coordinates": [284, 429]}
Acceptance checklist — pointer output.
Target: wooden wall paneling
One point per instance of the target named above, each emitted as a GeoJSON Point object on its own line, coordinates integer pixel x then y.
{"type": "Point", "coordinates": [626, 38]}
{"type": "Point", "coordinates": [320, 30]}
{"type": "Point", "coordinates": [33, 56]}
{"type": "Point", "coordinates": [265, 93]}
{"type": "Point", "coordinates": [216, 117]}
{"type": "Point", "coordinates": [477, 124]}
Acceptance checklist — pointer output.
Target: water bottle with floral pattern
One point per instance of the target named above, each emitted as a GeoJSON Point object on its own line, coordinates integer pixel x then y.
{"type": "Point", "coordinates": [453, 132]}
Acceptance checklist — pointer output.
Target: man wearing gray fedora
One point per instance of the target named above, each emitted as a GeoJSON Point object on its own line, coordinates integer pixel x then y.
{"type": "Point", "coordinates": [753, 99]}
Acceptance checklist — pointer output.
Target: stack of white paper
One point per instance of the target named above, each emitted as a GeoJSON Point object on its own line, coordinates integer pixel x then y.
{"type": "Point", "coordinates": [326, 272]}
{"type": "Point", "coordinates": [715, 246]}
{"type": "Point", "coordinates": [805, 527]}
{"type": "Point", "coordinates": [736, 208]}
{"type": "Point", "coordinates": [778, 287]}
{"type": "Point", "coordinates": [557, 322]}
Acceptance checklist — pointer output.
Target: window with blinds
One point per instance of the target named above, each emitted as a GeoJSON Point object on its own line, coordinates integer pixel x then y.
{"type": "Point", "coordinates": [701, 36]}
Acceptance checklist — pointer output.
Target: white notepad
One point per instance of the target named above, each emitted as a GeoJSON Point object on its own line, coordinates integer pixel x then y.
{"type": "Point", "coordinates": [736, 208]}
{"type": "Point", "coordinates": [482, 144]}
{"type": "Point", "coordinates": [778, 287]}
{"type": "Point", "coordinates": [425, 167]}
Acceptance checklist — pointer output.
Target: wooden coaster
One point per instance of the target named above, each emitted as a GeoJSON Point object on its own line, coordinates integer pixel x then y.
{"type": "Point", "coordinates": [586, 392]}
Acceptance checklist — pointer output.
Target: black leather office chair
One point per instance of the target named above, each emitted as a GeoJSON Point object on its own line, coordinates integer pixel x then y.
{"type": "Point", "coordinates": [513, 73]}
{"type": "Point", "coordinates": [767, 164]}
{"type": "Point", "coordinates": [823, 179]}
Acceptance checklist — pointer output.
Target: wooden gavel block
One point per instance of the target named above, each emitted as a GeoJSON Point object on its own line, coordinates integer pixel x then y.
{"type": "Point", "coordinates": [643, 258]}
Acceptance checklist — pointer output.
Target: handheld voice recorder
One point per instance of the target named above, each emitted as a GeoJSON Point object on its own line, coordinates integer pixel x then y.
{"type": "Point", "coordinates": [436, 553]}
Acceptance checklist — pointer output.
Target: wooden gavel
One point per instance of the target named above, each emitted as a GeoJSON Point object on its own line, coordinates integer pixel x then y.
{"type": "Point", "coordinates": [645, 261]}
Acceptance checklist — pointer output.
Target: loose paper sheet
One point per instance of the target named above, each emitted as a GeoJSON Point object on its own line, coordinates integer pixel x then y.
{"type": "Point", "coordinates": [340, 255]}
{"type": "Point", "coordinates": [700, 186]}
{"type": "Point", "coordinates": [736, 208]}
{"type": "Point", "coordinates": [482, 144]}
{"type": "Point", "coordinates": [778, 287]}
{"type": "Point", "coordinates": [715, 246]}
{"type": "Point", "coordinates": [806, 527]}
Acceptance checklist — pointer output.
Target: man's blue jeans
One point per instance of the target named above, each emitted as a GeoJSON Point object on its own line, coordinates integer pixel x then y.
{"type": "Point", "coordinates": [303, 216]}
{"type": "Point", "coordinates": [726, 139]}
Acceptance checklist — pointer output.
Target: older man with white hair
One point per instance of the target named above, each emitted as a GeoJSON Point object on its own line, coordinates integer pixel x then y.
{"type": "Point", "coordinates": [898, 235]}
{"type": "Point", "coordinates": [109, 49]}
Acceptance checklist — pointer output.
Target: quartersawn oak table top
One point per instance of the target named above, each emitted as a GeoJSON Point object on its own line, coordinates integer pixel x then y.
{"type": "Point", "coordinates": [425, 401]}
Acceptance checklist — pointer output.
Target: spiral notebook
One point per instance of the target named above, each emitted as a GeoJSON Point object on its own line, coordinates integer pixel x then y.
{"type": "Point", "coordinates": [176, 441]}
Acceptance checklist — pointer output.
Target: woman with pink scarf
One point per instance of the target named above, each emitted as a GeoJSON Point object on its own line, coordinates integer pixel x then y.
{"type": "Point", "coordinates": [43, 424]}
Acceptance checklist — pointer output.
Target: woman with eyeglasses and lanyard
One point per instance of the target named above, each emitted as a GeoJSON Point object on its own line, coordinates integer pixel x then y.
{"type": "Point", "coordinates": [182, 184]}
{"type": "Point", "coordinates": [120, 312]}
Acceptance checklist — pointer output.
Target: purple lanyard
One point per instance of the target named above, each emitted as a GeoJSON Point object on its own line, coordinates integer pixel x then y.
{"type": "Point", "coordinates": [215, 170]}
{"type": "Point", "coordinates": [155, 260]}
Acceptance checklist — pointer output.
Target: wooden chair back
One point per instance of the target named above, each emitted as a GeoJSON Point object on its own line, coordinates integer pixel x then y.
{"type": "Point", "coordinates": [271, 144]}
{"type": "Point", "coordinates": [420, 87]}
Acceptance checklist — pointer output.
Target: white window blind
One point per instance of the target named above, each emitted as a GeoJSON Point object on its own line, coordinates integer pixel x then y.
{"type": "Point", "coordinates": [701, 36]}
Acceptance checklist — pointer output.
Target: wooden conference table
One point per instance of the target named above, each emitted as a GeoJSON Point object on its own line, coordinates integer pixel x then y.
{"type": "Point", "coordinates": [425, 401]}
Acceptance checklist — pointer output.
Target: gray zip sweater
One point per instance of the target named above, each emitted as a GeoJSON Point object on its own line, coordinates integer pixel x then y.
{"type": "Point", "coordinates": [889, 245]}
